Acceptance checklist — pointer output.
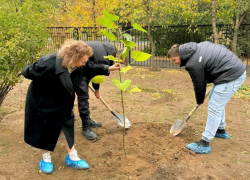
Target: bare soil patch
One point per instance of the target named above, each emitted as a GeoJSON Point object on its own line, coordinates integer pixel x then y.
{"type": "Point", "coordinates": [152, 153]}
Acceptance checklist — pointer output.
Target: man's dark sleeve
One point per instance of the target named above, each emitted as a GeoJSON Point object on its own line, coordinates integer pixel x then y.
{"type": "Point", "coordinates": [96, 86]}
{"type": "Point", "coordinates": [93, 70]}
{"type": "Point", "coordinates": [111, 62]}
{"type": "Point", "coordinates": [199, 81]}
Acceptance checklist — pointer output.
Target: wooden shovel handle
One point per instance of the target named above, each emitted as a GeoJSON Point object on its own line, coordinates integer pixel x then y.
{"type": "Point", "coordinates": [101, 99]}
{"type": "Point", "coordinates": [197, 105]}
{"type": "Point", "coordinates": [193, 110]}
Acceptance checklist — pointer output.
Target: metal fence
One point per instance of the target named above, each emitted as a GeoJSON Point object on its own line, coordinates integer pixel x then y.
{"type": "Point", "coordinates": [164, 38]}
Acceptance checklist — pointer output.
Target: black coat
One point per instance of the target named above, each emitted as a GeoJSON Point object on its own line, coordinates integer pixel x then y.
{"type": "Point", "coordinates": [207, 62]}
{"type": "Point", "coordinates": [50, 100]}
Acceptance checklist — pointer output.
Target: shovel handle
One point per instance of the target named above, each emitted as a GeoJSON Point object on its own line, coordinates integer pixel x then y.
{"type": "Point", "coordinates": [197, 105]}
{"type": "Point", "coordinates": [193, 110]}
{"type": "Point", "coordinates": [207, 93]}
{"type": "Point", "coordinates": [101, 99]}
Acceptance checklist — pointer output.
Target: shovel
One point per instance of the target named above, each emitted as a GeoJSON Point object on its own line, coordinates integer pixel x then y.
{"type": "Point", "coordinates": [118, 118]}
{"type": "Point", "coordinates": [179, 125]}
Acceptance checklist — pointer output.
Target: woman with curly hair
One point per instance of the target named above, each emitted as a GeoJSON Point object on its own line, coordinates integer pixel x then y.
{"type": "Point", "coordinates": [50, 100]}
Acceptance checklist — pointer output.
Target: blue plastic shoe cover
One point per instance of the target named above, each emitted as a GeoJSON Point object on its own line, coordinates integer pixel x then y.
{"type": "Point", "coordinates": [198, 148]}
{"type": "Point", "coordinates": [223, 136]}
{"type": "Point", "coordinates": [46, 167]}
{"type": "Point", "coordinates": [80, 164]}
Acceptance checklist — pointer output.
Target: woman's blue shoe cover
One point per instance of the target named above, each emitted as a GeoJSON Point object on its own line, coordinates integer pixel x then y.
{"type": "Point", "coordinates": [46, 167]}
{"type": "Point", "coordinates": [80, 164]}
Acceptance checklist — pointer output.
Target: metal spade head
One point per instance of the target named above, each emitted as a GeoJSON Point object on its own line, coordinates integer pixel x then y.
{"type": "Point", "coordinates": [120, 119]}
{"type": "Point", "coordinates": [177, 127]}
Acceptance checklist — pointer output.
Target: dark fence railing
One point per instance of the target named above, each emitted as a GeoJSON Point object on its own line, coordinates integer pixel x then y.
{"type": "Point", "coordinates": [163, 37]}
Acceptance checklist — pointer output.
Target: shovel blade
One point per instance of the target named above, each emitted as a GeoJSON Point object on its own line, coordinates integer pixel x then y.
{"type": "Point", "coordinates": [120, 121]}
{"type": "Point", "coordinates": [177, 127]}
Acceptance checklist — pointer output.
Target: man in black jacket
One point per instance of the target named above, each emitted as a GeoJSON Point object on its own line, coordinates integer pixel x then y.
{"type": "Point", "coordinates": [100, 49]}
{"type": "Point", "coordinates": [207, 62]}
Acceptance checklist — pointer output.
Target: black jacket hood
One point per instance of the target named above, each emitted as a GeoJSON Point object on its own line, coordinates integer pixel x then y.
{"type": "Point", "coordinates": [186, 51]}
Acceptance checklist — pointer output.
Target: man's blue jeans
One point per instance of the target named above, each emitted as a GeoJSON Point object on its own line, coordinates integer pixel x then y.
{"type": "Point", "coordinates": [218, 98]}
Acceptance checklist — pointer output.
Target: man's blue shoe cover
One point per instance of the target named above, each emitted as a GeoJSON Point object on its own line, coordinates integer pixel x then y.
{"type": "Point", "coordinates": [223, 136]}
{"type": "Point", "coordinates": [198, 148]}
{"type": "Point", "coordinates": [80, 164]}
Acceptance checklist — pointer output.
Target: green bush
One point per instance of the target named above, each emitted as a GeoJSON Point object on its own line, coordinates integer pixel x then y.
{"type": "Point", "coordinates": [23, 37]}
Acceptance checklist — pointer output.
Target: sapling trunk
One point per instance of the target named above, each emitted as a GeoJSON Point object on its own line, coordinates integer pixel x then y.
{"type": "Point", "coordinates": [126, 38]}
{"type": "Point", "coordinates": [123, 111]}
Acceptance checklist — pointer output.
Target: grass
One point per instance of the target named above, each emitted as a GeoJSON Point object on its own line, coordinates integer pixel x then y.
{"type": "Point", "coordinates": [243, 92]}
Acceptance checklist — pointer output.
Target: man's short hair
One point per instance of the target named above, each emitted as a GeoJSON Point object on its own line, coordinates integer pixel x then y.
{"type": "Point", "coordinates": [173, 51]}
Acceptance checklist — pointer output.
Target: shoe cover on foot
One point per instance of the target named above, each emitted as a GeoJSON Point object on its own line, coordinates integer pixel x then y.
{"type": "Point", "coordinates": [192, 146]}
{"type": "Point", "coordinates": [46, 167]}
{"type": "Point", "coordinates": [198, 149]}
{"type": "Point", "coordinates": [81, 164]}
{"type": "Point", "coordinates": [223, 136]}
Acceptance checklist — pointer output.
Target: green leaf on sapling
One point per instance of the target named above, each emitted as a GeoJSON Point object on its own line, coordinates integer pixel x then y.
{"type": "Point", "coordinates": [125, 52]}
{"type": "Point", "coordinates": [109, 35]}
{"type": "Point", "coordinates": [98, 79]}
{"type": "Point", "coordinates": [128, 43]}
{"type": "Point", "coordinates": [110, 57]}
{"type": "Point", "coordinates": [106, 22]}
{"type": "Point", "coordinates": [122, 85]}
{"type": "Point", "coordinates": [126, 69]}
{"type": "Point", "coordinates": [140, 56]}
{"type": "Point", "coordinates": [127, 36]}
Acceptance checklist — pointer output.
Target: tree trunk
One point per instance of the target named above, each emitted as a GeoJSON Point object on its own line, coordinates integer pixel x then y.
{"type": "Point", "coordinates": [153, 66]}
{"type": "Point", "coordinates": [214, 23]}
{"type": "Point", "coordinates": [94, 19]}
{"type": "Point", "coordinates": [4, 89]}
{"type": "Point", "coordinates": [236, 31]}
{"type": "Point", "coordinates": [148, 10]}
{"type": "Point", "coordinates": [239, 19]}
